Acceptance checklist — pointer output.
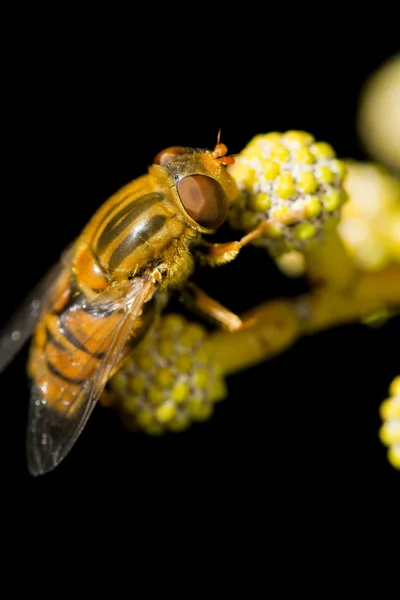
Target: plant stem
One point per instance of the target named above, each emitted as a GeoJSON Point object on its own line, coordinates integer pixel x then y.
{"type": "Point", "coordinates": [274, 326]}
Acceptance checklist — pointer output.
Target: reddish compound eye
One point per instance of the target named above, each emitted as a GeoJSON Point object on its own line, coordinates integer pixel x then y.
{"type": "Point", "coordinates": [165, 156]}
{"type": "Point", "coordinates": [204, 200]}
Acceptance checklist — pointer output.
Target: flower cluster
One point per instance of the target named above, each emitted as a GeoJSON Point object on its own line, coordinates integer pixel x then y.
{"type": "Point", "coordinates": [370, 224]}
{"type": "Point", "coordinates": [292, 181]}
{"type": "Point", "coordinates": [169, 381]}
{"type": "Point", "coordinates": [369, 227]}
{"type": "Point", "coordinates": [379, 114]}
{"type": "Point", "coordinates": [389, 433]}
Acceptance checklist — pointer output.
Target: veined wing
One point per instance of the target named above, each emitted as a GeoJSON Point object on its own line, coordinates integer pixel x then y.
{"type": "Point", "coordinates": [53, 429]}
{"type": "Point", "coordinates": [22, 323]}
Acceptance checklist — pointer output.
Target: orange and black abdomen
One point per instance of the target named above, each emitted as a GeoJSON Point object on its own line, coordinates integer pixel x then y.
{"type": "Point", "coordinates": [69, 345]}
{"type": "Point", "coordinates": [64, 351]}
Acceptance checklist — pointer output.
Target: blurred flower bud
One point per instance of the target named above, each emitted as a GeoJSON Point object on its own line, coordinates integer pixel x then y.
{"type": "Point", "coordinates": [370, 224]}
{"type": "Point", "coordinates": [379, 114]}
{"type": "Point", "coordinates": [389, 433]}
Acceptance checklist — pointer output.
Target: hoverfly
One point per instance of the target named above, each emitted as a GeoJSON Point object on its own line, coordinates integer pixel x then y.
{"type": "Point", "coordinates": [99, 301]}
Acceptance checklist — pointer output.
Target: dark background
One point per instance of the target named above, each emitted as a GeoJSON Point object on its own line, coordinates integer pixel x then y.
{"type": "Point", "coordinates": [90, 104]}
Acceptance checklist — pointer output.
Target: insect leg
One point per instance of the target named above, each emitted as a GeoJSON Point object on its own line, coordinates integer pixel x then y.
{"type": "Point", "coordinates": [198, 300]}
{"type": "Point", "coordinates": [220, 254]}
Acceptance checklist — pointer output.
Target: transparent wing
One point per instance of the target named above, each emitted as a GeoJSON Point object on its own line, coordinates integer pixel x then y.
{"type": "Point", "coordinates": [52, 433]}
{"type": "Point", "coordinates": [22, 323]}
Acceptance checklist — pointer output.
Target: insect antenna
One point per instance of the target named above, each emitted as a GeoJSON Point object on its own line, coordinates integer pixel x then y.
{"type": "Point", "coordinates": [220, 152]}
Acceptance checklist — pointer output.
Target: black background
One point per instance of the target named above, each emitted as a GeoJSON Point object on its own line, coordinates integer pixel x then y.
{"type": "Point", "coordinates": [90, 102]}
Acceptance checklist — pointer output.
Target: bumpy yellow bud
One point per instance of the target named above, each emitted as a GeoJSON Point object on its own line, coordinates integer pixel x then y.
{"type": "Point", "coordinates": [169, 380]}
{"type": "Point", "coordinates": [293, 181]}
{"type": "Point", "coordinates": [389, 432]}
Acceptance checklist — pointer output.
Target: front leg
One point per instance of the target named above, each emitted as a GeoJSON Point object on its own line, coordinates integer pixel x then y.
{"type": "Point", "coordinates": [198, 300]}
{"type": "Point", "coordinates": [220, 254]}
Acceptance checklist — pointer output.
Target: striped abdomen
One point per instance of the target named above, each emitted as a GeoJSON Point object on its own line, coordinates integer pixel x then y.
{"type": "Point", "coordinates": [69, 345]}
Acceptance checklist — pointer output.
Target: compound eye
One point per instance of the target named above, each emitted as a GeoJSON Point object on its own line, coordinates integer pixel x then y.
{"type": "Point", "coordinates": [204, 200]}
{"type": "Point", "coordinates": [165, 156]}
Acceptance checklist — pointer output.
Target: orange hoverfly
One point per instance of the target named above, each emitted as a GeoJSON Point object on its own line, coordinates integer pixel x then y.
{"type": "Point", "coordinates": [99, 301]}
